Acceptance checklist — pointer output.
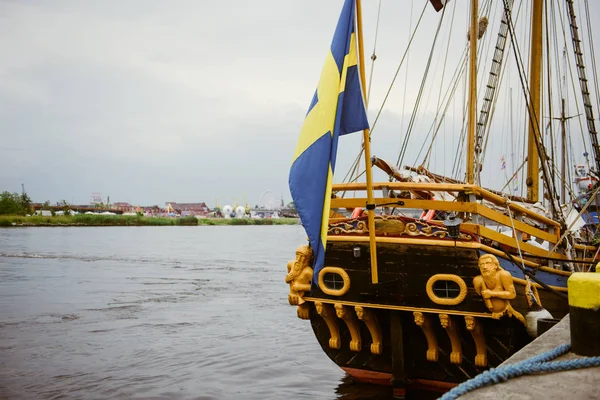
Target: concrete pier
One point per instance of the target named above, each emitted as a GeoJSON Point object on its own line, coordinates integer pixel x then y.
{"type": "Point", "coordinates": [575, 384]}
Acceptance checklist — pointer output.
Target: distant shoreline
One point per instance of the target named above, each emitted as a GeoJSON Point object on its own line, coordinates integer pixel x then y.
{"type": "Point", "coordinates": [7, 221]}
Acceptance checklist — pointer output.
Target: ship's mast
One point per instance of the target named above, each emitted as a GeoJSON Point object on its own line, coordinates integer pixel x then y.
{"type": "Point", "coordinates": [472, 93]}
{"type": "Point", "coordinates": [563, 164]}
{"type": "Point", "coordinates": [535, 68]}
{"type": "Point", "coordinates": [367, 144]}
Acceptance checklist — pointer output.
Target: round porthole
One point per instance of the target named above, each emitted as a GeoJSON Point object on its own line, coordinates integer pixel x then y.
{"type": "Point", "coordinates": [334, 281]}
{"type": "Point", "coordinates": [446, 289]}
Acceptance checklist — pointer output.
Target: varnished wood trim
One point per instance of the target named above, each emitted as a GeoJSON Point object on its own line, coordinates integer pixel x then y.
{"type": "Point", "coordinates": [448, 187]}
{"type": "Point", "coordinates": [408, 203]}
{"type": "Point", "coordinates": [520, 226]}
{"type": "Point", "coordinates": [537, 285]}
{"type": "Point", "coordinates": [401, 308]}
{"type": "Point", "coordinates": [556, 271]}
{"type": "Point", "coordinates": [512, 242]}
{"type": "Point", "coordinates": [583, 247]}
{"type": "Point", "coordinates": [474, 208]}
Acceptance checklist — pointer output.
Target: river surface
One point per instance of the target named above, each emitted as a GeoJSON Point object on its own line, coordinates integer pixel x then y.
{"type": "Point", "coordinates": [158, 313]}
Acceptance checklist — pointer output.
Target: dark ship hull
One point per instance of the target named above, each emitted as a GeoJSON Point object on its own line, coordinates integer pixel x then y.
{"type": "Point", "coordinates": [423, 324]}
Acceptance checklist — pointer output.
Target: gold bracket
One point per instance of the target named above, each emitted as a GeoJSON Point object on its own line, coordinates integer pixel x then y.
{"type": "Point", "coordinates": [304, 311]}
{"type": "Point", "coordinates": [353, 326]}
{"type": "Point", "coordinates": [451, 330]}
{"type": "Point", "coordinates": [424, 322]}
{"type": "Point", "coordinates": [368, 317]}
{"type": "Point", "coordinates": [325, 311]}
{"type": "Point", "coordinates": [476, 330]}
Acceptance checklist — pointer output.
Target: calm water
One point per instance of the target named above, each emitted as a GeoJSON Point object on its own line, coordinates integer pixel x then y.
{"type": "Point", "coordinates": [158, 312]}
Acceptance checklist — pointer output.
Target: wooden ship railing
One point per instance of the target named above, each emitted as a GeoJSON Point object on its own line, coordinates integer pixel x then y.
{"type": "Point", "coordinates": [469, 207]}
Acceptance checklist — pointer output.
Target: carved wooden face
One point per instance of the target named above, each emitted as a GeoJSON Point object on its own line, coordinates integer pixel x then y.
{"type": "Point", "coordinates": [488, 265]}
{"type": "Point", "coordinates": [319, 307]}
{"type": "Point", "coordinates": [359, 312]}
{"type": "Point", "coordinates": [470, 323]}
{"type": "Point", "coordinates": [419, 318]}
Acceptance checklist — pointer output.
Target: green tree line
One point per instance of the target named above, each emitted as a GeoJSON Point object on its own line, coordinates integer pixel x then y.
{"type": "Point", "coordinates": [15, 204]}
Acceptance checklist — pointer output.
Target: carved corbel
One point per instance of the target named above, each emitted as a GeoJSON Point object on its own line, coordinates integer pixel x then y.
{"type": "Point", "coordinates": [452, 331]}
{"type": "Point", "coordinates": [326, 312]}
{"type": "Point", "coordinates": [476, 330]}
{"type": "Point", "coordinates": [368, 317]}
{"type": "Point", "coordinates": [424, 322]}
{"type": "Point", "coordinates": [304, 311]}
{"type": "Point", "coordinates": [347, 316]}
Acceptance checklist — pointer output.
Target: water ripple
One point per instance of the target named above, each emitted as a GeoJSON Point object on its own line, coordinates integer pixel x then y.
{"type": "Point", "coordinates": [156, 313]}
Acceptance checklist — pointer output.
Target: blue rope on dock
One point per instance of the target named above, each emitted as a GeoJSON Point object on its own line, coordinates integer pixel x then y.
{"type": "Point", "coordinates": [538, 364]}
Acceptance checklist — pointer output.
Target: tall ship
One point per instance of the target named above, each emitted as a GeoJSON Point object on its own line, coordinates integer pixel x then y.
{"type": "Point", "coordinates": [423, 280]}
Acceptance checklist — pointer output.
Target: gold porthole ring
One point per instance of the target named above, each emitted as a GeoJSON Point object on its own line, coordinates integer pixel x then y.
{"type": "Point", "coordinates": [447, 301]}
{"type": "Point", "coordinates": [334, 270]}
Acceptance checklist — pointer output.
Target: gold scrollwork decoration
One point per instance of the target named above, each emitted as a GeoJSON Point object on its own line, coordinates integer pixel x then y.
{"type": "Point", "coordinates": [334, 270]}
{"type": "Point", "coordinates": [446, 301]}
{"type": "Point", "coordinates": [345, 227]}
{"type": "Point", "coordinates": [386, 225]}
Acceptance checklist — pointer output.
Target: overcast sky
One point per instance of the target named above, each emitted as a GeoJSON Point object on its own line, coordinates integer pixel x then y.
{"type": "Point", "coordinates": [150, 101]}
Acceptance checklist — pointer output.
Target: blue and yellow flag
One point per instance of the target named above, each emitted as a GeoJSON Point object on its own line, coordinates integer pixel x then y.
{"type": "Point", "coordinates": [337, 108]}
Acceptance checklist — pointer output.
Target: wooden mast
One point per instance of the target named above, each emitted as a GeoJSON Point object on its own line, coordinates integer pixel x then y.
{"type": "Point", "coordinates": [472, 93]}
{"type": "Point", "coordinates": [535, 63]}
{"type": "Point", "coordinates": [367, 144]}
{"type": "Point", "coordinates": [563, 164]}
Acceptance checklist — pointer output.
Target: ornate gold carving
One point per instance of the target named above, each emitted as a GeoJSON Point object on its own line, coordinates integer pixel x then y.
{"type": "Point", "coordinates": [392, 225]}
{"type": "Point", "coordinates": [345, 227]}
{"type": "Point", "coordinates": [299, 275]}
{"type": "Point", "coordinates": [476, 330]}
{"type": "Point", "coordinates": [326, 312]}
{"type": "Point", "coordinates": [368, 317]}
{"type": "Point", "coordinates": [387, 226]}
{"type": "Point", "coordinates": [424, 322]}
{"type": "Point", "coordinates": [452, 331]}
{"type": "Point", "coordinates": [496, 287]}
{"type": "Point", "coordinates": [304, 311]}
{"type": "Point", "coordinates": [334, 270]}
{"type": "Point", "coordinates": [347, 316]}
{"type": "Point", "coordinates": [446, 301]}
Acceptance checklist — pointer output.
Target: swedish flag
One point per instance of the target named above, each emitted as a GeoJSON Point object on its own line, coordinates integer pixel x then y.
{"type": "Point", "coordinates": [337, 108]}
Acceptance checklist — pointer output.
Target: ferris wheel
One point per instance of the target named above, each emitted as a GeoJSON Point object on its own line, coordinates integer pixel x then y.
{"type": "Point", "coordinates": [268, 200]}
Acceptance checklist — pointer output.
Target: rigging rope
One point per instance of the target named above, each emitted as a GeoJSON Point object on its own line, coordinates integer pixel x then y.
{"type": "Point", "coordinates": [374, 55]}
{"type": "Point", "coordinates": [355, 166]}
{"type": "Point", "coordinates": [415, 109]}
{"type": "Point", "coordinates": [398, 69]}
{"type": "Point", "coordinates": [407, 65]}
{"type": "Point", "coordinates": [439, 97]}
{"type": "Point", "coordinates": [592, 52]}
{"type": "Point", "coordinates": [534, 120]}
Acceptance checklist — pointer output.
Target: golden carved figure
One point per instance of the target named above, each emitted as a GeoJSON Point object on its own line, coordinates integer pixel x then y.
{"type": "Point", "coordinates": [299, 275]}
{"type": "Point", "coordinates": [325, 311]}
{"type": "Point", "coordinates": [424, 322]}
{"type": "Point", "coordinates": [353, 326]}
{"type": "Point", "coordinates": [368, 317]}
{"type": "Point", "coordinates": [476, 330]}
{"type": "Point", "coordinates": [496, 287]}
